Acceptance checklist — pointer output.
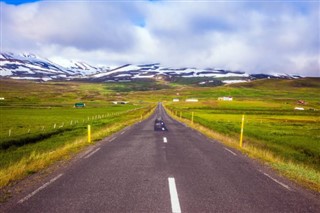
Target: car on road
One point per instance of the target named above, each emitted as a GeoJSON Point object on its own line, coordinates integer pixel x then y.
{"type": "Point", "coordinates": [159, 125]}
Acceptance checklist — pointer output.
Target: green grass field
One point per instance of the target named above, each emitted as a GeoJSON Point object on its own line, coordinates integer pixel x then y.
{"type": "Point", "coordinates": [30, 122]}
{"type": "Point", "coordinates": [293, 137]}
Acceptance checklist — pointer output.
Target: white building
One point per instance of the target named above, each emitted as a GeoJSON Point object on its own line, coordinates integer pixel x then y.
{"type": "Point", "coordinates": [191, 100]}
{"type": "Point", "coordinates": [119, 102]}
{"type": "Point", "coordinates": [225, 99]}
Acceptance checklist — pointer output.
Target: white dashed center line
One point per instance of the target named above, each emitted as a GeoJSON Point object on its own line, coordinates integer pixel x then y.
{"type": "Point", "coordinates": [39, 189]}
{"type": "Point", "coordinates": [165, 140]}
{"type": "Point", "coordinates": [175, 205]}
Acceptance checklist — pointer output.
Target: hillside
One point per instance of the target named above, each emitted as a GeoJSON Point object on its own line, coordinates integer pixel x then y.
{"type": "Point", "coordinates": [286, 84]}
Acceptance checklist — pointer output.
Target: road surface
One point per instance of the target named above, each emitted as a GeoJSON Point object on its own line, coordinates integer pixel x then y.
{"type": "Point", "coordinates": [178, 170]}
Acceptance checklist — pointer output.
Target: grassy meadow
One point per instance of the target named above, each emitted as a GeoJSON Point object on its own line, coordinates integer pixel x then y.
{"type": "Point", "coordinates": [294, 136]}
{"type": "Point", "coordinates": [33, 122]}
{"type": "Point", "coordinates": [40, 126]}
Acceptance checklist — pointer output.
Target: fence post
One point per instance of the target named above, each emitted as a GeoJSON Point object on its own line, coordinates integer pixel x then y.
{"type": "Point", "coordinates": [192, 117]}
{"type": "Point", "coordinates": [241, 134]}
{"type": "Point", "coordinates": [89, 133]}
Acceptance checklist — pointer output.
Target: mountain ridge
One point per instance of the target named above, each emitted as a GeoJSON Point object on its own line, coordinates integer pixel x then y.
{"type": "Point", "coordinates": [33, 67]}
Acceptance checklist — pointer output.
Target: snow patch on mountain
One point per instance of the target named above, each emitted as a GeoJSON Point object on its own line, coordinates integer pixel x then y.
{"type": "Point", "coordinates": [234, 81]}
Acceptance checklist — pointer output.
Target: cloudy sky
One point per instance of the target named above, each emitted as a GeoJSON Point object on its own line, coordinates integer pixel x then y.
{"type": "Point", "coordinates": [252, 36]}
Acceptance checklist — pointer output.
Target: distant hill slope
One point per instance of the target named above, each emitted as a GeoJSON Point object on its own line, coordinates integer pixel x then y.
{"type": "Point", "coordinates": [281, 83]}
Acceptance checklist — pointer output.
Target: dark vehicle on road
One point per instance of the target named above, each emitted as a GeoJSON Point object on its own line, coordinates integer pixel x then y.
{"type": "Point", "coordinates": [159, 125]}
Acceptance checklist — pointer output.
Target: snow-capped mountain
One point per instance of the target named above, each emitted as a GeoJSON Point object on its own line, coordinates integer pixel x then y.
{"type": "Point", "coordinates": [81, 68]}
{"type": "Point", "coordinates": [30, 66]}
{"type": "Point", "coordinates": [129, 71]}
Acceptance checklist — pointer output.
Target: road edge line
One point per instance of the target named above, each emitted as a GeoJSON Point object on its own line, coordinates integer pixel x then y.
{"type": "Point", "coordinates": [230, 151]}
{"type": "Point", "coordinates": [39, 189]}
{"type": "Point", "coordinates": [278, 182]}
{"type": "Point", "coordinates": [89, 155]}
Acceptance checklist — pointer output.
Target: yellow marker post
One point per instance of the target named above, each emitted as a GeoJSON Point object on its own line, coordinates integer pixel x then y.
{"type": "Point", "coordinates": [89, 134]}
{"type": "Point", "coordinates": [241, 134]}
{"type": "Point", "coordinates": [192, 117]}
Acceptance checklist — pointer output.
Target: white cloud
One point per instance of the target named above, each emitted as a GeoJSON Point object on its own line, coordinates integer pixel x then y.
{"type": "Point", "coordinates": [254, 37]}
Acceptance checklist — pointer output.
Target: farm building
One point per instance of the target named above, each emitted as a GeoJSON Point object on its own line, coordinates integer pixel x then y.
{"type": "Point", "coordinates": [298, 108]}
{"type": "Point", "coordinates": [79, 105]}
{"type": "Point", "coordinates": [225, 99]}
{"type": "Point", "coordinates": [191, 100]}
{"type": "Point", "coordinates": [119, 102]}
{"type": "Point", "coordinates": [175, 100]}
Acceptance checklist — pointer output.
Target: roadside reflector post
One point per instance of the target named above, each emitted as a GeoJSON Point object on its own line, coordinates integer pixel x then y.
{"type": "Point", "coordinates": [89, 134]}
{"type": "Point", "coordinates": [241, 134]}
{"type": "Point", "coordinates": [192, 117]}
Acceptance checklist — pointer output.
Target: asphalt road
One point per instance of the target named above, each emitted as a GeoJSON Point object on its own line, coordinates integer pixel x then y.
{"type": "Point", "coordinates": [178, 170]}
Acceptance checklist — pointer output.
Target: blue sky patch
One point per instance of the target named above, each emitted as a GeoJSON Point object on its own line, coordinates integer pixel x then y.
{"type": "Point", "coordinates": [17, 2]}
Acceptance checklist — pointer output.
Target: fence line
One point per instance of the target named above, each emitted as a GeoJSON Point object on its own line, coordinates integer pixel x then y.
{"type": "Point", "coordinates": [74, 123]}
